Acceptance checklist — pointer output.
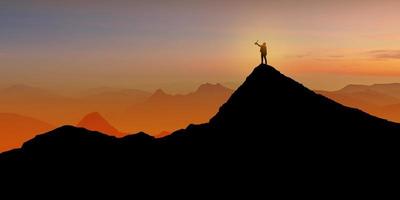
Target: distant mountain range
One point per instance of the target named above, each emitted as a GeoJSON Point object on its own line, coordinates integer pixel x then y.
{"type": "Point", "coordinates": [392, 89]}
{"type": "Point", "coordinates": [130, 110]}
{"type": "Point", "coordinates": [164, 112]}
{"type": "Point", "coordinates": [59, 109]}
{"type": "Point", "coordinates": [382, 100]}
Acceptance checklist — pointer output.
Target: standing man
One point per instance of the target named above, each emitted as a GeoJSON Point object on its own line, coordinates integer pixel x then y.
{"type": "Point", "coordinates": [263, 51]}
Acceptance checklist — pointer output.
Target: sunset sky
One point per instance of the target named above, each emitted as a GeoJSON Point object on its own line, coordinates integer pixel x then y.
{"type": "Point", "coordinates": [177, 45]}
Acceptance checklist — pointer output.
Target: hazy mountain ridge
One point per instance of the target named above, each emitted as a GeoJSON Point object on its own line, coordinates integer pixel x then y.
{"type": "Point", "coordinates": [165, 112]}
{"type": "Point", "coordinates": [15, 129]}
{"type": "Point", "coordinates": [382, 100]}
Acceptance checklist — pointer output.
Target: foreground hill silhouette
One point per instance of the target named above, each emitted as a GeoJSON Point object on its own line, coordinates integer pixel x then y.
{"type": "Point", "coordinates": [268, 116]}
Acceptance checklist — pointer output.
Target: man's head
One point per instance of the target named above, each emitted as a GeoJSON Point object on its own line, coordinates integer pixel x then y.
{"type": "Point", "coordinates": [264, 44]}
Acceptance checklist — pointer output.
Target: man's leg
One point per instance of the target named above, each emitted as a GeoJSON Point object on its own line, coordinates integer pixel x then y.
{"type": "Point", "coordinates": [262, 59]}
{"type": "Point", "coordinates": [265, 57]}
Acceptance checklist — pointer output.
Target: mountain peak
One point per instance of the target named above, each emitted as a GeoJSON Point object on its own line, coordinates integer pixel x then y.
{"type": "Point", "coordinates": [270, 100]}
{"type": "Point", "coordinates": [158, 95]}
{"type": "Point", "coordinates": [95, 115]}
{"type": "Point", "coordinates": [95, 122]}
{"type": "Point", "coordinates": [159, 92]}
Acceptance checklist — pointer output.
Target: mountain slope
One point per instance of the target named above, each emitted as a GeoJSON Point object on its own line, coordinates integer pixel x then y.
{"type": "Point", "coordinates": [269, 96]}
{"type": "Point", "coordinates": [273, 111]}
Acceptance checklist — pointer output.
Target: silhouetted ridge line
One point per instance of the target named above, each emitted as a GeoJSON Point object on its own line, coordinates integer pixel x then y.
{"type": "Point", "coordinates": [268, 115]}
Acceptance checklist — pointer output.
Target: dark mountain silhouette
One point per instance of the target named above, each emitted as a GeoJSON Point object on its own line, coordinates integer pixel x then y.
{"type": "Point", "coordinates": [95, 122]}
{"type": "Point", "coordinates": [272, 110]}
{"type": "Point", "coordinates": [270, 125]}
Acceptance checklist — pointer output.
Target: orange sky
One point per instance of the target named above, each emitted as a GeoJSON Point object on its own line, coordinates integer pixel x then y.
{"type": "Point", "coordinates": [176, 45]}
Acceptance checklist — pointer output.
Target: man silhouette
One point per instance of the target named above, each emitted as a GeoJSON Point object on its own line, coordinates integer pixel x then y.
{"type": "Point", "coordinates": [263, 51]}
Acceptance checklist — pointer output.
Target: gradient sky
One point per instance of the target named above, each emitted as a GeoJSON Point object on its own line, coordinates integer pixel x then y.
{"type": "Point", "coordinates": [176, 45]}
